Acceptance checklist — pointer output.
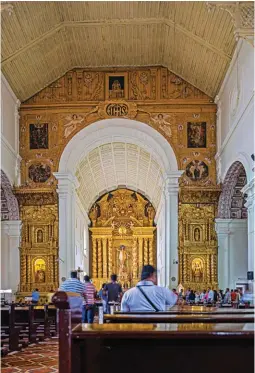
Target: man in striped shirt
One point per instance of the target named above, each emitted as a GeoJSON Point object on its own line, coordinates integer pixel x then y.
{"type": "Point", "coordinates": [73, 285]}
{"type": "Point", "coordinates": [89, 301]}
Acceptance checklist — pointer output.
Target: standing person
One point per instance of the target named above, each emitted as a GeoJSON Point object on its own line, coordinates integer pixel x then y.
{"type": "Point", "coordinates": [89, 301]}
{"type": "Point", "coordinates": [113, 291]}
{"type": "Point", "coordinates": [202, 296]}
{"type": "Point", "coordinates": [210, 295]}
{"type": "Point", "coordinates": [215, 296]}
{"type": "Point", "coordinates": [187, 294]}
{"type": "Point", "coordinates": [192, 296]}
{"type": "Point", "coordinates": [103, 296]}
{"type": "Point", "coordinates": [227, 296]}
{"type": "Point", "coordinates": [73, 285]}
{"type": "Point", "coordinates": [35, 297]}
{"type": "Point", "coordinates": [233, 295]}
{"type": "Point", "coordinates": [146, 295]}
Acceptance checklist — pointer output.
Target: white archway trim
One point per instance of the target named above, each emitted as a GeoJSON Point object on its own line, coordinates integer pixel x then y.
{"type": "Point", "coordinates": [117, 130]}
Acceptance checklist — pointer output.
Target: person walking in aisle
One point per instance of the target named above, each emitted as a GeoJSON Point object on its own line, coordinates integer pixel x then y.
{"type": "Point", "coordinates": [89, 301]}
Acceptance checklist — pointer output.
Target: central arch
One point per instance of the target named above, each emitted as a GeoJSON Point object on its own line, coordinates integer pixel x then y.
{"type": "Point", "coordinates": [89, 141]}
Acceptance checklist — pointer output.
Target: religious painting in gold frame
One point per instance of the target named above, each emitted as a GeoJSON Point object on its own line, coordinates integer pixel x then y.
{"type": "Point", "coordinates": [116, 86]}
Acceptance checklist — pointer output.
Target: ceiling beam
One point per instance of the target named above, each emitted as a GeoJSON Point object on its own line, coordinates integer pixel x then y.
{"type": "Point", "coordinates": [117, 22]}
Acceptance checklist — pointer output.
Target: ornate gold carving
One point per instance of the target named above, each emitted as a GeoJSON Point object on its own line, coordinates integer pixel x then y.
{"type": "Point", "coordinates": [197, 239]}
{"type": "Point", "coordinates": [120, 219]}
{"type": "Point", "coordinates": [35, 197]}
{"type": "Point", "coordinates": [39, 248]}
{"type": "Point", "coordinates": [111, 109]}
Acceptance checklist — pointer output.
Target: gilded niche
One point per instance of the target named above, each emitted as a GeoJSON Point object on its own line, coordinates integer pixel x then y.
{"type": "Point", "coordinates": [122, 236]}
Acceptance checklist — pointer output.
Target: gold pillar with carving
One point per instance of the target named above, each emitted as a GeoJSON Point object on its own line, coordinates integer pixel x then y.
{"type": "Point", "coordinates": [105, 259]}
{"type": "Point", "coordinates": [99, 258]}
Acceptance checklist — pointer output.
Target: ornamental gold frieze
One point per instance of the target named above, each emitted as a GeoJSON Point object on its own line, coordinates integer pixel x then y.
{"type": "Point", "coordinates": [34, 197]}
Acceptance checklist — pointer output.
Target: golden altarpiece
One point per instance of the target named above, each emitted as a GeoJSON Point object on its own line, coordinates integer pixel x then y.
{"type": "Point", "coordinates": [122, 236]}
{"type": "Point", "coordinates": [184, 115]}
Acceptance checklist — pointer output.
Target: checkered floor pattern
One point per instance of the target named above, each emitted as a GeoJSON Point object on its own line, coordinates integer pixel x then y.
{"type": "Point", "coordinates": [37, 358]}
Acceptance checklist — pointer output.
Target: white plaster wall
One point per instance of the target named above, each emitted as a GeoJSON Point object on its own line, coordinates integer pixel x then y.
{"type": "Point", "coordinates": [9, 132]}
{"type": "Point", "coordinates": [81, 238]}
{"type": "Point", "coordinates": [235, 127]}
{"type": "Point", "coordinates": [160, 221]}
{"type": "Point", "coordinates": [235, 142]}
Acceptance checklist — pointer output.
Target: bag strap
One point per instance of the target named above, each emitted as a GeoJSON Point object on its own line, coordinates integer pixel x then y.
{"type": "Point", "coordinates": [147, 298]}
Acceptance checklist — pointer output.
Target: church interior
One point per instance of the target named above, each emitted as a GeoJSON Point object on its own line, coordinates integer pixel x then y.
{"type": "Point", "coordinates": [127, 139]}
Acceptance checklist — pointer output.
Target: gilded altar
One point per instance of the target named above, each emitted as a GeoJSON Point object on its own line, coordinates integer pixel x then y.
{"type": "Point", "coordinates": [122, 237]}
{"type": "Point", "coordinates": [198, 248]}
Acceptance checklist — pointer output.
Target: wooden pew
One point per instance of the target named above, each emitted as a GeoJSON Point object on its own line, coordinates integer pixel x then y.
{"type": "Point", "coordinates": [9, 332]}
{"type": "Point", "coordinates": [93, 348]}
{"type": "Point", "coordinates": [179, 318]}
{"type": "Point", "coordinates": [190, 310]}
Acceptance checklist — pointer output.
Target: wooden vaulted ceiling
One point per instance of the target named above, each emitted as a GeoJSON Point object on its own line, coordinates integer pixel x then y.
{"type": "Point", "coordinates": [43, 40]}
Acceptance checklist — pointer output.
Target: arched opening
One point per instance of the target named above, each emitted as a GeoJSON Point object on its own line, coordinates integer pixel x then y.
{"type": "Point", "coordinates": [232, 229]}
{"type": "Point", "coordinates": [109, 155]}
{"type": "Point", "coordinates": [10, 237]}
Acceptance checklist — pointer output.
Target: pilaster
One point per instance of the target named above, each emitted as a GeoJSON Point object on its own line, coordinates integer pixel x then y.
{"type": "Point", "coordinates": [67, 183]}
{"type": "Point", "coordinates": [10, 258]}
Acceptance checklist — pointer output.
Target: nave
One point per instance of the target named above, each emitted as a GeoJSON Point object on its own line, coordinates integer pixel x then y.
{"type": "Point", "coordinates": [127, 186]}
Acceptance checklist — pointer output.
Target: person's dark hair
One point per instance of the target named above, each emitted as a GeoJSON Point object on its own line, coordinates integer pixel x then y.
{"type": "Point", "coordinates": [174, 289]}
{"type": "Point", "coordinates": [231, 290]}
{"type": "Point", "coordinates": [103, 285]}
{"type": "Point", "coordinates": [74, 274]}
{"type": "Point", "coordinates": [86, 278]}
{"type": "Point", "coordinates": [114, 277]}
{"type": "Point", "coordinates": [147, 271]}
{"type": "Point", "coordinates": [36, 290]}
{"type": "Point", "coordinates": [227, 289]}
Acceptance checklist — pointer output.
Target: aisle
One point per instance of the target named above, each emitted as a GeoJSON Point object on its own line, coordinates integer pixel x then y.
{"type": "Point", "coordinates": [39, 358]}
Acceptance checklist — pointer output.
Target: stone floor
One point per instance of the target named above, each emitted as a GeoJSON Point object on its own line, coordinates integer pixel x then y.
{"type": "Point", "coordinates": [37, 358]}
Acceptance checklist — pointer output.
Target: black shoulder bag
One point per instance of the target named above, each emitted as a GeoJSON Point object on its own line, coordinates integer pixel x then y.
{"type": "Point", "coordinates": [148, 299]}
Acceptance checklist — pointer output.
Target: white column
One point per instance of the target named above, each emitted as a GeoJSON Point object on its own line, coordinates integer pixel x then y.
{"type": "Point", "coordinates": [249, 190]}
{"type": "Point", "coordinates": [67, 184]}
{"type": "Point", "coordinates": [171, 228]}
{"type": "Point", "coordinates": [10, 258]}
{"type": "Point", "coordinates": [223, 232]}
{"type": "Point", "coordinates": [232, 252]}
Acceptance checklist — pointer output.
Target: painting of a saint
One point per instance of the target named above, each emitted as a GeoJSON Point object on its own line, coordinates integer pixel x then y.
{"type": "Point", "coordinates": [196, 134]}
{"type": "Point", "coordinates": [161, 120]}
{"type": "Point", "coordinates": [197, 270]}
{"type": "Point", "coordinates": [116, 86]}
{"type": "Point", "coordinates": [73, 121]}
{"type": "Point", "coordinates": [39, 172]}
{"type": "Point", "coordinates": [39, 270]}
{"type": "Point", "coordinates": [197, 170]}
{"type": "Point", "coordinates": [39, 136]}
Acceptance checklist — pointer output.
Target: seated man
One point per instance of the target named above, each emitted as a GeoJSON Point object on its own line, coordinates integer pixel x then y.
{"type": "Point", "coordinates": [75, 290]}
{"type": "Point", "coordinates": [146, 295]}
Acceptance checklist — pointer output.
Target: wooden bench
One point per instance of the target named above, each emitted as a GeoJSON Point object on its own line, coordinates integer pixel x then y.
{"type": "Point", "coordinates": [9, 332]}
{"type": "Point", "coordinates": [179, 318]}
{"type": "Point", "coordinates": [164, 347]}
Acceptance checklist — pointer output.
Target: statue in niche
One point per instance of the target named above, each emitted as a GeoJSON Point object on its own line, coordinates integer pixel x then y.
{"type": "Point", "coordinates": [94, 213]}
{"type": "Point", "coordinates": [197, 270]}
{"type": "Point", "coordinates": [150, 213]}
{"type": "Point", "coordinates": [39, 236]}
{"type": "Point", "coordinates": [197, 234]}
{"type": "Point", "coordinates": [123, 256]}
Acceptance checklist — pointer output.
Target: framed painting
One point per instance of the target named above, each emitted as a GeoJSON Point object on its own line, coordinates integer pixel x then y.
{"type": "Point", "coordinates": [196, 134]}
{"type": "Point", "coordinates": [116, 86]}
{"type": "Point", "coordinates": [38, 138]}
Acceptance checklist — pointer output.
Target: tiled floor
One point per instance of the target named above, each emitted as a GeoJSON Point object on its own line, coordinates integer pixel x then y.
{"type": "Point", "coordinates": [39, 358]}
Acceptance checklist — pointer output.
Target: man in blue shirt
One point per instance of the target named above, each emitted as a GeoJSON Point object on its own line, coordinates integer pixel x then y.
{"type": "Point", "coordinates": [146, 295]}
{"type": "Point", "coordinates": [35, 296]}
{"type": "Point", "coordinates": [73, 285]}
